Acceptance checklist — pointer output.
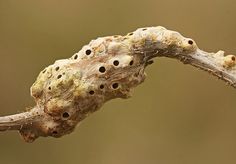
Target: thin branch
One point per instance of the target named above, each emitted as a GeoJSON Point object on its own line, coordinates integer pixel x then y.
{"type": "Point", "coordinates": [215, 63]}
{"type": "Point", "coordinates": [107, 68]}
{"type": "Point", "coordinates": [18, 121]}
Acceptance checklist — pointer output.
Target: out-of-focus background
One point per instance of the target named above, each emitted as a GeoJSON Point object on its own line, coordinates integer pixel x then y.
{"type": "Point", "coordinates": [180, 115]}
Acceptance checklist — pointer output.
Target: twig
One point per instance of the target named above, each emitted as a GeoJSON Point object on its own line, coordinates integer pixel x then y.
{"type": "Point", "coordinates": [69, 90]}
{"type": "Point", "coordinates": [215, 63]}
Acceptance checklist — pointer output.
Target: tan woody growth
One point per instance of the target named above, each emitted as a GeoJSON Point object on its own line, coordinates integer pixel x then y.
{"type": "Point", "coordinates": [109, 67]}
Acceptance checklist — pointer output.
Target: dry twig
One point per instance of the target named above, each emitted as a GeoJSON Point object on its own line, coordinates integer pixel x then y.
{"type": "Point", "coordinates": [69, 90]}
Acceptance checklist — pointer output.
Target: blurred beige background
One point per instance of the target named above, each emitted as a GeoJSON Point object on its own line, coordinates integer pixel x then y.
{"type": "Point", "coordinates": [180, 115]}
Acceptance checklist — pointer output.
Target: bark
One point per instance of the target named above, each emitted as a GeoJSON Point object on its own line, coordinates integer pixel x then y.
{"type": "Point", "coordinates": [107, 68]}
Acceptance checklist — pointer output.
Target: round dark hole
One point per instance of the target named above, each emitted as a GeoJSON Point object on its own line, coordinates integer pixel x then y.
{"type": "Point", "coordinates": [233, 58]}
{"type": "Point", "coordinates": [88, 52]}
{"type": "Point", "coordinates": [65, 115]}
{"type": "Point", "coordinates": [115, 85]}
{"type": "Point", "coordinates": [190, 42]}
{"type": "Point", "coordinates": [57, 68]}
{"type": "Point", "coordinates": [101, 86]}
{"type": "Point", "coordinates": [130, 34]}
{"type": "Point", "coordinates": [116, 63]}
{"type": "Point", "coordinates": [59, 76]}
{"type": "Point", "coordinates": [55, 132]}
{"type": "Point", "coordinates": [76, 56]}
{"type": "Point", "coordinates": [49, 88]}
{"type": "Point", "coordinates": [131, 62]}
{"type": "Point", "coordinates": [102, 69]}
{"type": "Point", "coordinates": [91, 92]}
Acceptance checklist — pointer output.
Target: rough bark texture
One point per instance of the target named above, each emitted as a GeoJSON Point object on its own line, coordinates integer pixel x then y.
{"type": "Point", "coordinates": [109, 67]}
